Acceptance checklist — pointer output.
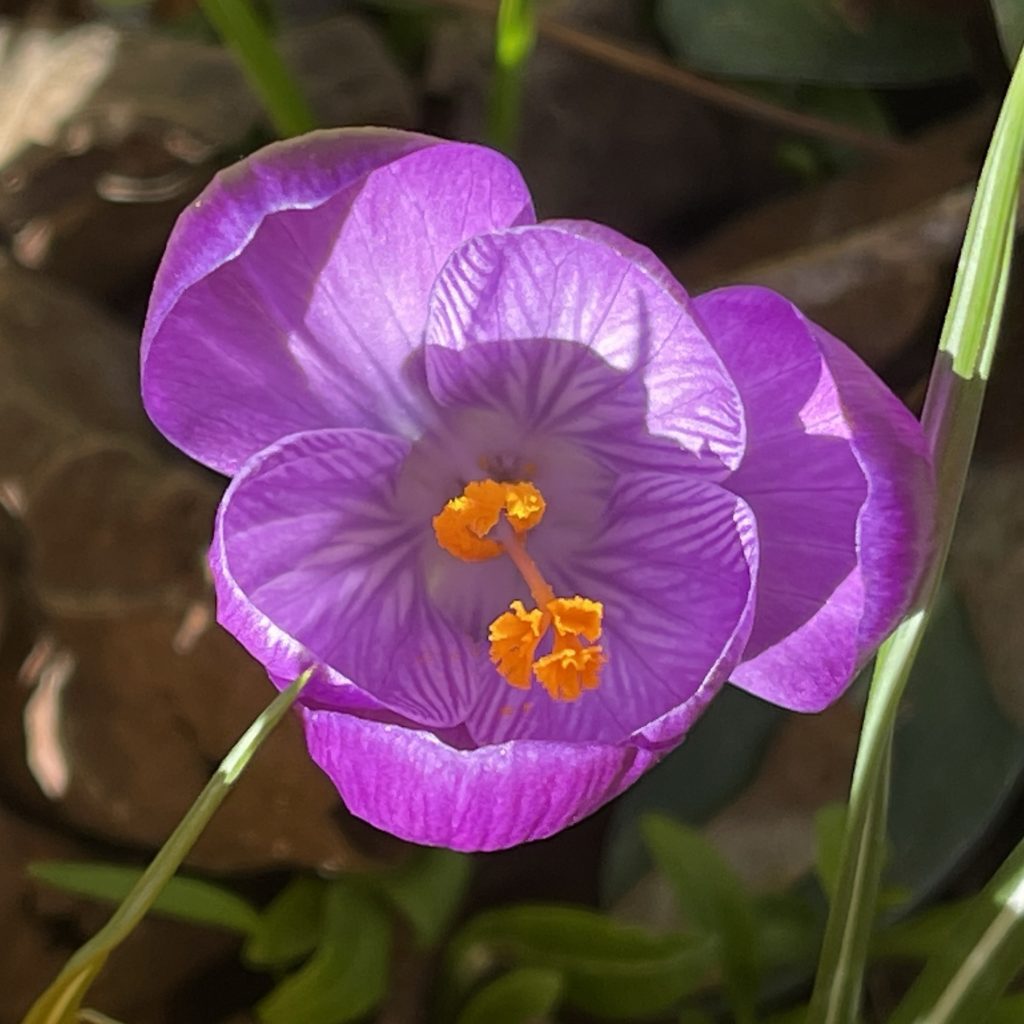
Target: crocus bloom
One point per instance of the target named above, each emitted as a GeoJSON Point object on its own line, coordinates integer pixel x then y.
{"type": "Point", "coordinates": [524, 504]}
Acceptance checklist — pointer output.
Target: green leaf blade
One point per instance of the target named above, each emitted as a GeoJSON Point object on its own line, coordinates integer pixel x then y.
{"type": "Point", "coordinates": [714, 900]}
{"type": "Point", "coordinates": [829, 826]}
{"type": "Point", "coordinates": [952, 410]}
{"type": "Point", "coordinates": [240, 27]}
{"type": "Point", "coordinates": [61, 1000]}
{"type": "Point", "coordinates": [965, 977]}
{"type": "Point", "coordinates": [186, 899]}
{"type": "Point", "coordinates": [290, 926]}
{"type": "Point", "coordinates": [523, 996]}
{"type": "Point", "coordinates": [427, 891]}
{"type": "Point", "coordinates": [611, 970]}
{"type": "Point", "coordinates": [346, 977]}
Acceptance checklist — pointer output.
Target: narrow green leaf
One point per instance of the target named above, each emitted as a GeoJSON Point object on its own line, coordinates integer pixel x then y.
{"type": "Point", "coordinates": [713, 900]}
{"type": "Point", "coordinates": [963, 980]}
{"type": "Point", "coordinates": [187, 899]}
{"type": "Point", "coordinates": [243, 32]}
{"type": "Point", "coordinates": [829, 824]}
{"type": "Point", "coordinates": [952, 410]}
{"type": "Point", "coordinates": [920, 936]}
{"type": "Point", "coordinates": [610, 969]}
{"type": "Point", "coordinates": [829, 827]}
{"type": "Point", "coordinates": [289, 928]}
{"type": "Point", "coordinates": [524, 996]}
{"type": "Point", "coordinates": [514, 35]}
{"type": "Point", "coordinates": [347, 975]}
{"type": "Point", "coordinates": [427, 891]}
{"type": "Point", "coordinates": [60, 1003]}
{"type": "Point", "coordinates": [1008, 1011]}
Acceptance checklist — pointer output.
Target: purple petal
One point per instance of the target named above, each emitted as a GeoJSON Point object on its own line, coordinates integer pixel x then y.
{"type": "Point", "coordinates": [412, 784]}
{"type": "Point", "coordinates": [544, 282]}
{"type": "Point", "coordinates": [313, 564]}
{"type": "Point", "coordinates": [674, 565]}
{"type": "Point", "coordinates": [547, 396]}
{"type": "Point", "coordinates": [836, 473]}
{"type": "Point", "coordinates": [296, 285]}
{"type": "Point", "coordinates": [626, 247]}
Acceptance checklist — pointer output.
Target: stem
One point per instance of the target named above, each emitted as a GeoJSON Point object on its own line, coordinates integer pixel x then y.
{"type": "Point", "coordinates": [60, 1002]}
{"type": "Point", "coordinates": [514, 36]}
{"type": "Point", "coordinates": [951, 414]}
{"type": "Point", "coordinates": [246, 36]}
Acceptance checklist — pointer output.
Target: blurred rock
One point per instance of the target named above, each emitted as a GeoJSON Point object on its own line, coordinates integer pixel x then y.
{"type": "Point", "coordinates": [601, 143]}
{"type": "Point", "coordinates": [92, 181]}
{"type": "Point", "coordinates": [118, 694]}
{"type": "Point", "coordinates": [869, 256]}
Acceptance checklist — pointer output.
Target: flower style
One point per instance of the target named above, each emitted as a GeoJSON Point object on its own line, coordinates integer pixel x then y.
{"type": "Point", "coordinates": [524, 504]}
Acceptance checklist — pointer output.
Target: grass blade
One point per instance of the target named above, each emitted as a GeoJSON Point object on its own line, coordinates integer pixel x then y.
{"type": "Point", "coordinates": [186, 899]}
{"type": "Point", "coordinates": [59, 1004]}
{"type": "Point", "coordinates": [514, 36]}
{"type": "Point", "coordinates": [242, 31]}
{"type": "Point", "coordinates": [965, 978]}
{"type": "Point", "coordinates": [952, 410]}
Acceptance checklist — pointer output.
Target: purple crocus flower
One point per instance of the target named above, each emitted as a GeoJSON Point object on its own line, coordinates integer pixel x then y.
{"type": "Point", "coordinates": [524, 504]}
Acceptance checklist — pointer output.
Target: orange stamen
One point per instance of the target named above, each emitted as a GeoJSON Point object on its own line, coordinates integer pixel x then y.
{"type": "Point", "coordinates": [569, 669]}
{"type": "Point", "coordinates": [471, 527]}
{"type": "Point", "coordinates": [514, 636]}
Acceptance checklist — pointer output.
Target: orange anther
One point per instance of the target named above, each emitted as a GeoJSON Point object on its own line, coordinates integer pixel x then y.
{"type": "Point", "coordinates": [464, 529]}
{"type": "Point", "coordinates": [514, 636]}
{"type": "Point", "coordinates": [569, 670]}
{"type": "Point", "coordinates": [577, 616]}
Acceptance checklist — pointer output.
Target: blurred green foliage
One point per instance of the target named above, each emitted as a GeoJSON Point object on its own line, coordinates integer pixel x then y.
{"type": "Point", "coordinates": [814, 41]}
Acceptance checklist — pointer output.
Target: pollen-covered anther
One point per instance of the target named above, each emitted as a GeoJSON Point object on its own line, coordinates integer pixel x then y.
{"type": "Point", "coordinates": [576, 616]}
{"type": "Point", "coordinates": [462, 526]}
{"type": "Point", "coordinates": [569, 669]}
{"type": "Point", "coordinates": [463, 529]}
{"type": "Point", "coordinates": [524, 506]}
{"type": "Point", "coordinates": [514, 636]}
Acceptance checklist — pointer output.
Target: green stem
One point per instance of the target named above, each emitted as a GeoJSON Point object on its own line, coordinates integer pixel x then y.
{"type": "Point", "coordinates": [246, 36]}
{"type": "Point", "coordinates": [514, 35]}
{"type": "Point", "coordinates": [59, 1004]}
{"type": "Point", "coordinates": [952, 410]}
{"type": "Point", "coordinates": [964, 979]}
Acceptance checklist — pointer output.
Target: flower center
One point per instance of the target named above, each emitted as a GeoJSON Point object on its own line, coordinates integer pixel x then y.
{"type": "Point", "coordinates": [490, 519]}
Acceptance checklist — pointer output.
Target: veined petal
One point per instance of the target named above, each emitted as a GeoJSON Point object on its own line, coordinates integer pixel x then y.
{"type": "Point", "coordinates": [295, 286]}
{"type": "Point", "coordinates": [674, 566]}
{"type": "Point", "coordinates": [895, 531]}
{"type": "Point", "coordinates": [412, 784]}
{"type": "Point", "coordinates": [545, 282]}
{"type": "Point", "coordinates": [313, 565]}
{"type": "Point", "coordinates": [836, 473]}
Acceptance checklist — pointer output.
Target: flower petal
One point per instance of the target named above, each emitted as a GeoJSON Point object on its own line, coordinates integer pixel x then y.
{"type": "Point", "coordinates": [294, 288]}
{"type": "Point", "coordinates": [674, 566]}
{"type": "Point", "coordinates": [545, 282]}
{"type": "Point", "coordinates": [412, 784]}
{"type": "Point", "coordinates": [836, 473]}
{"type": "Point", "coordinates": [313, 564]}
